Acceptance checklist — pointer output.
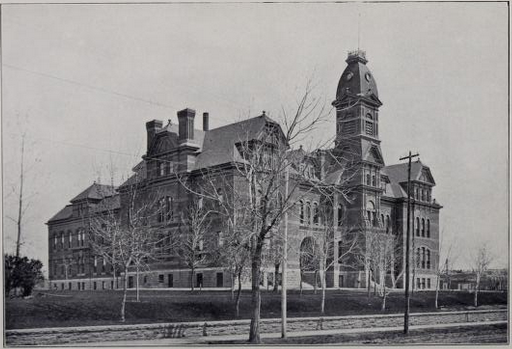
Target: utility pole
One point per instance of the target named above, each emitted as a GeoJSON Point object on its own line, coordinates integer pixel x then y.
{"type": "Point", "coordinates": [285, 258]}
{"type": "Point", "coordinates": [20, 203]}
{"type": "Point", "coordinates": [407, 243]}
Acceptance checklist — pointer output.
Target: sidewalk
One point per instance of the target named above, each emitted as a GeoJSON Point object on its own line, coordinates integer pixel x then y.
{"type": "Point", "coordinates": [212, 340]}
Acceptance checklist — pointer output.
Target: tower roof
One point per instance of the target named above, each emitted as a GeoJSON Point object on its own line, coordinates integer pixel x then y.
{"type": "Point", "coordinates": [356, 80]}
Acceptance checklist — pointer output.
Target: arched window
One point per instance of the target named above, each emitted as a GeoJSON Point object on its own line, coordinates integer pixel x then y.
{"type": "Point", "coordinates": [422, 195]}
{"type": "Point", "coordinates": [373, 181]}
{"type": "Point", "coordinates": [340, 215]}
{"type": "Point", "coordinates": [372, 218]}
{"type": "Point", "coordinates": [383, 222]}
{"type": "Point", "coordinates": [428, 259]}
{"type": "Point", "coordinates": [418, 257]}
{"type": "Point", "coordinates": [417, 226]}
{"type": "Point", "coordinates": [70, 238]}
{"type": "Point", "coordinates": [428, 228]}
{"type": "Point", "coordinates": [422, 227]}
{"type": "Point", "coordinates": [301, 211]}
{"type": "Point", "coordinates": [315, 213]}
{"type": "Point", "coordinates": [423, 258]}
{"type": "Point", "coordinates": [368, 178]}
{"type": "Point", "coordinates": [308, 212]}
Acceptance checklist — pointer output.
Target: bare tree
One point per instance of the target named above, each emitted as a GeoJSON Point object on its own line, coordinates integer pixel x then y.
{"type": "Point", "coordinates": [446, 257]}
{"type": "Point", "coordinates": [195, 225]}
{"type": "Point", "coordinates": [383, 252]}
{"type": "Point", "coordinates": [128, 239]}
{"type": "Point", "coordinates": [481, 261]}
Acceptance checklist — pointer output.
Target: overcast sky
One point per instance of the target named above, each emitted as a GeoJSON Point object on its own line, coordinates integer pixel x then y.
{"type": "Point", "coordinates": [82, 80]}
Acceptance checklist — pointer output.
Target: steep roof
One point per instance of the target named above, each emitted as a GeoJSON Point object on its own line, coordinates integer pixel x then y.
{"type": "Point", "coordinates": [65, 213]}
{"type": "Point", "coordinates": [95, 192]}
{"type": "Point", "coordinates": [419, 172]}
{"type": "Point", "coordinates": [219, 144]}
{"type": "Point", "coordinates": [174, 130]}
{"type": "Point", "coordinates": [357, 80]}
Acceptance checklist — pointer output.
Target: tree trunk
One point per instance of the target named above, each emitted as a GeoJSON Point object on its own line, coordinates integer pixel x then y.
{"type": "Point", "coordinates": [300, 283]}
{"type": "Point", "coordinates": [476, 294]}
{"type": "Point", "coordinates": [369, 287]}
{"type": "Point", "coordinates": [254, 333]}
{"type": "Point", "coordinates": [384, 295]}
{"type": "Point", "coordinates": [137, 285]}
{"type": "Point", "coordinates": [276, 277]}
{"type": "Point", "coordinates": [233, 286]}
{"type": "Point", "coordinates": [437, 292]}
{"type": "Point", "coordinates": [125, 291]}
{"type": "Point", "coordinates": [238, 294]}
{"type": "Point", "coordinates": [315, 282]}
{"type": "Point", "coordinates": [322, 307]}
{"type": "Point", "coordinates": [192, 279]}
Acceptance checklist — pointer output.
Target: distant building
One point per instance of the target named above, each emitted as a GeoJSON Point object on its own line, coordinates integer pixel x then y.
{"type": "Point", "coordinates": [378, 204]}
{"type": "Point", "coordinates": [492, 280]}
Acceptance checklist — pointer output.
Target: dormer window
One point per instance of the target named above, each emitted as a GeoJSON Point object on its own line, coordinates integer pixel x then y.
{"type": "Point", "coordinates": [161, 168]}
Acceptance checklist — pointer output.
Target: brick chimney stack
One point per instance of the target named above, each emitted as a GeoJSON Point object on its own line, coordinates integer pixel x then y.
{"type": "Point", "coordinates": [186, 124]}
{"type": "Point", "coordinates": [206, 121]}
{"type": "Point", "coordinates": [152, 127]}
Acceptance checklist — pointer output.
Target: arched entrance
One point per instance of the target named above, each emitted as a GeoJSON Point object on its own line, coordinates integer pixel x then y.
{"type": "Point", "coordinates": [309, 260]}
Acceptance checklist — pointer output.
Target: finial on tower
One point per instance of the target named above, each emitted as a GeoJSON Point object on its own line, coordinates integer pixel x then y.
{"type": "Point", "coordinates": [357, 56]}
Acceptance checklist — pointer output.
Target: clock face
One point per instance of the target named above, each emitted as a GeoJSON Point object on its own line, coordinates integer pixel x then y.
{"type": "Point", "coordinates": [368, 77]}
{"type": "Point", "coordinates": [349, 76]}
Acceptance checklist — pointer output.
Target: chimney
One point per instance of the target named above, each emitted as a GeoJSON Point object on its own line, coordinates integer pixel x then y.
{"type": "Point", "coordinates": [206, 121]}
{"type": "Point", "coordinates": [151, 128]}
{"type": "Point", "coordinates": [186, 124]}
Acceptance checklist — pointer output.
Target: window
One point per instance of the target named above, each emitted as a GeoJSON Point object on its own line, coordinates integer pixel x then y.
{"type": "Point", "coordinates": [418, 283]}
{"type": "Point", "coordinates": [62, 286]}
{"type": "Point", "coordinates": [422, 195]}
{"type": "Point", "coordinates": [428, 195]}
{"type": "Point", "coordinates": [95, 265]}
{"type": "Point", "coordinates": [382, 219]}
{"type": "Point", "coordinates": [55, 241]}
{"type": "Point", "coordinates": [315, 213]}
{"type": "Point", "coordinates": [369, 128]}
{"type": "Point", "coordinates": [161, 278]}
{"type": "Point", "coordinates": [199, 280]}
{"type": "Point", "coordinates": [301, 211]}
{"type": "Point", "coordinates": [83, 286]}
{"type": "Point", "coordinates": [62, 239]}
{"type": "Point", "coordinates": [103, 285]}
{"type": "Point", "coordinates": [145, 279]}
{"type": "Point", "coordinates": [168, 208]}
{"type": "Point", "coordinates": [103, 265]}
{"type": "Point", "coordinates": [308, 212]}
{"type": "Point", "coordinates": [220, 279]}
{"type": "Point", "coordinates": [373, 181]}
{"type": "Point", "coordinates": [220, 239]}
{"type": "Point", "coordinates": [161, 168]}
{"type": "Point", "coordinates": [428, 259]}
{"type": "Point", "coordinates": [388, 224]}
{"type": "Point", "coordinates": [78, 285]}
{"type": "Point", "coordinates": [170, 280]}
{"type": "Point", "coordinates": [369, 116]}
{"type": "Point", "coordinates": [70, 286]}
{"type": "Point", "coordinates": [423, 258]}
{"type": "Point", "coordinates": [422, 283]}
{"type": "Point", "coordinates": [112, 285]}
{"type": "Point", "coordinates": [422, 227]}
{"type": "Point", "coordinates": [428, 283]}
{"type": "Point", "coordinates": [368, 179]}
{"type": "Point", "coordinates": [417, 226]}
{"type": "Point", "coordinates": [70, 239]}
{"type": "Point", "coordinates": [428, 228]}
{"type": "Point", "coordinates": [340, 215]}
{"type": "Point", "coordinates": [340, 250]}
{"type": "Point", "coordinates": [94, 285]}
{"type": "Point", "coordinates": [418, 257]}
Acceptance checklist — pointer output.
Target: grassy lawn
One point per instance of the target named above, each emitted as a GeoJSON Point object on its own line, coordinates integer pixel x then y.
{"type": "Point", "coordinates": [83, 308]}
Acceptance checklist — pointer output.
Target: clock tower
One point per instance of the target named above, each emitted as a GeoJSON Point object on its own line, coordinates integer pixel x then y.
{"type": "Point", "coordinates": [357, 138]}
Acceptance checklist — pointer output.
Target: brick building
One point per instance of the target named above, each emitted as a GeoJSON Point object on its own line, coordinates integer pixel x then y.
{"type": "Point", "coordinates": [377, 205]}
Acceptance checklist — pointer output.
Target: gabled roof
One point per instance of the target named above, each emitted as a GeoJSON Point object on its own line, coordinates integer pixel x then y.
{"type": "Point", "coordinates": [95, 192]}
{"type": "Point", "coordinates": [419, 172]}
{"type": "Point", "coordinates": [219, 144]}
{"type": "Point", "coordinates": [167, 138]}
{"type": "Point", "coordinates": [65, 213]}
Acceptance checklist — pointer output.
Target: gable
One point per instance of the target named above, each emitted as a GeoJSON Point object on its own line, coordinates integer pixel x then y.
{"type": "Point", "coordinates": [426, 176]}
{"type": "Point", "coordinates": [163, 144]}
{"type": "Point", "coordinates": [373, 155]}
